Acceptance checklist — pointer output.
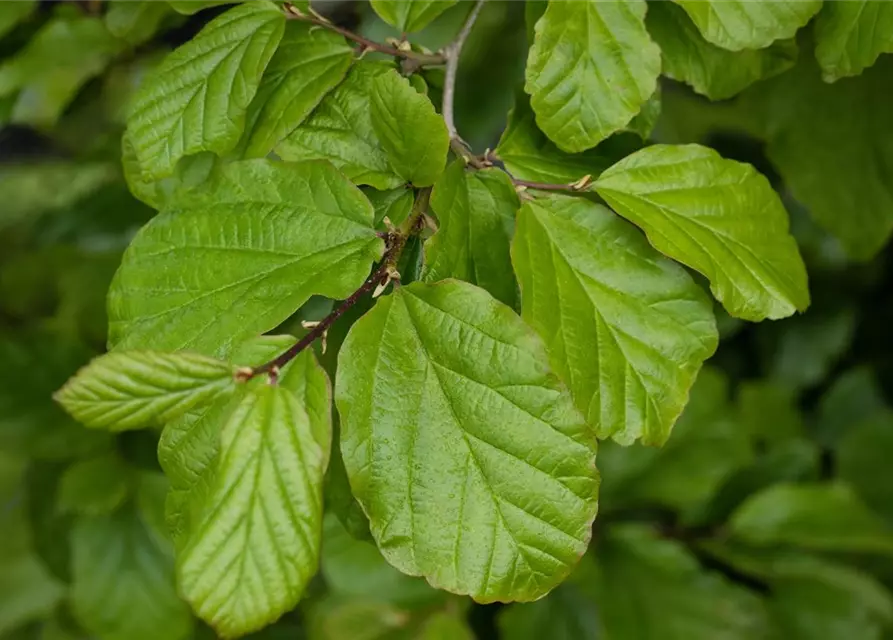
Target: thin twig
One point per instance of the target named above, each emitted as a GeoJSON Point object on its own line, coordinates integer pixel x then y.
{"type": "Point", "coordinates": [452, 53]}
{"type": "Point", "coordinates": [395, 241]}
{"type": "Point", "coordinates": [574, 187]}
{"type": "Point", "coordinates": [420, 59]}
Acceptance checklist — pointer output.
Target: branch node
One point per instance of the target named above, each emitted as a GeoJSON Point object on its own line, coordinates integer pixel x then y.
{"type": "Point", "coordinates": [243, 374]}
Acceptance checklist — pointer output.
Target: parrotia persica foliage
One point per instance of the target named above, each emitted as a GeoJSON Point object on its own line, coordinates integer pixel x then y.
{"type": "Point", "coordinates": [350, 325]}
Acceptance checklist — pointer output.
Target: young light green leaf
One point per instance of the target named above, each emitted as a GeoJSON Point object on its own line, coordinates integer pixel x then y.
{"type": "Point", "coordinates": [12, 13]}
{"type": "Point", "coordinates": [123, 580]}
{"type": "Point", "coordinates": [308, 64]}
{"type": "Point", "coordinates": [257, 546]}
{"type": "Point", "coordinates": [529, 155]}
{"type": "Point", "coordinates": [409, 16]}
{"type": "Point", "coordinates": [135, 21]}
{"type": "Point", "coordinates": [744, 24]}
{"type": "Point", "coordinates": [475, 435]}
{"type": "Point", "coordinates": [134, 389]}
{"type": "Point", "coordinates": [851, 35]}
{"type": "Point", "coordinates": [824, 517]}
{"type": "Point", "coordinates": [55, 64]}
{"type": "Point", "coordinates": [591, 68]}
{"type": "Point", "coordinates": [627, 329]}
{"type": "Point", "coordinates": [93, 487]}
{"type": "Point", "coordinates": [249, 248]}
{"type": "Point", "coordinates": [710, 70]}
{"type": "Point", "coordinates": [196, 100]}
{"type": "Point", "coordinates": [476, 218]}
{"type": "Point", "coordinates": [717, 216]}
{"type": "Point", "coordinates": [412, 134]}
{"type": "Point", "coordinates": [340, 130]}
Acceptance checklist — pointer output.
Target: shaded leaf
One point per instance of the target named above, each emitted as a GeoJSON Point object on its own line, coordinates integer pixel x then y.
{"type": "Point", "coordinates": [591, 68]}
{"type": "Point", "coordinates": [717, 216]}
{"type": "Point", "coordinates": [135, 21]}
{"type": "Point", "coordinates": [13, 13]}
{"type": "Point", "coordinates": [862, 461]}
{"type": "Point", "coordinates": [850, 36]}
{"type": "Point", "coordinates": [94, 487]}
{"type": "Point", "coordinates": [434, 466]}
{"type": "Point", "coordinates": [476, 218]}
{"type": "Point", "coordinates": [626, 328]}
{"type": "Point", "coordinates": [409, 16]}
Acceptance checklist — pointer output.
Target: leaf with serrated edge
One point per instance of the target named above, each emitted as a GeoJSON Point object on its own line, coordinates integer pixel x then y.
{"type": "Point", "coordinates": [133, 389]}
{"type": "Point", "coordinates": [257, 547]}
{"type": "Point", "coordinates": [710, 70]}
{"type": "Point", "coordinates": [591, 68]}
{"type": "Point", "coordinates": [340, 130]}
{"type": "Point", "coordinates": [464, 450]}
{"type": "Point", "coordinates": [851, 35]}
{"type": "Point", "coordinates": [745, 24]}
{"type": "Point", "coordinates": [196, 100]}
{"type": "Point", "coordinates": [409, 16]}
{"type": "Point", "coordinates": [476, 217]}
{"type": "Point", "coordinates": [626, 328]}
{"type": "Point", "coordinates": [247, 250]}
{"type": "Point", "coordinates": [412, 134]}
{"type": "Point", "coordinates": [308, 64]}
{"type": "Point", "coordinates": [717, 216]}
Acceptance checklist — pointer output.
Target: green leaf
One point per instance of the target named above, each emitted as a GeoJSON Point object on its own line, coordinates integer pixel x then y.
{"type": "Point", "coordinates": [707, 447]}
{"type": "Point", "coordinates": [409, 16]}
{"type": "Point", "coordinates": [123, 580]}
{"type": "Point", "coordinates": [591, 68]}
{"type": "Point", "coordinates": [824, 517]}
{"type": "Point", "coordinates": [762, 399]}
{"type": "Point", "coordinates": [717, 216]}
{"type": "Point", "coordinates": [135, 21]}
{"type": "Point", "coordinates": [710, 70]}
{"type": "Point", "coordinates": [257, 546]}
{"type": "Point", "coordinates": [250, 248]}
{"type": "Point", "coordinates": [308, 64]}
{"type": "Point", "coordinates": [55, 64]}
{"type": "Point", "coordinates": [850, 36]}
{"type": "Point", "coordinates": [13, 13]}
{"type": "Point", "coordinates": [626, 328]}
{"type": "Point", "coordinates": [651, 588]}
{"type": "Point", "coordinates": [854, 397]}
{"type": "Point", "coordinates": [94, 487]}
{"type": "Point", "coordinates": [191, 7]}
{"type": "Point", "coordinates": [807, 348]}
{"type": "Point", "coordinates": [451, 493]}
{"type": "Point", "coordinates": [133, 389]}
{"type": "Point", "coordinates": [476, 218]}
{"type": "Point", "coordinates": [565, 614]}
{"type": "Point", "coordinates": [412, 134]}
{"type": "Point", "coordinates": [340, 130]}
{"type": "Point", "coordinates": [355, 568]}
{"type": "Point", "coordinates": [393, 204]}
{"type": "Point", "coordinates": [863, 463]}
{"type": "Point", "coordinates": [743, 24]}
{"type": "Point", "coordinates": [529, 155]}
{"type": "Point", "coordinates": [196, 100]}
{"type": "Point", "coordinates": [838, 167]}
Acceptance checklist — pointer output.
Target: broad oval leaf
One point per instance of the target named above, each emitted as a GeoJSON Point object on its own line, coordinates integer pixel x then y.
{"type": "Point", "coordinates": [710, 70]}
{"type": "Point", "coordinates": [340, 130]}
{"type": "Point", "coordinates": [308, 64]}
{"type": "Point", "coordinates": [745, 24]}
{"type": "Point", "coordinates": [241, 256]}
{"type": "Point", "coordinates": [717, 216]}
{"type": "Point", "coordinates": [196, 100]}
{"type": "Point", "coordinates": [123, 580]}
{"type": "Point", "coordinates": [591, 69]}
{"type": "Point", "coordinates": [627, 329]}
{"type": "Point", "coordinates": [410, 131]}
{"type": "Point", "coordinates": [257, 546]}
{"type": "Point", "coordinates": [476, 217]}
{"type": "Point", "coordinates": [851, 35]}
{"type": "Point", "coordinates": [464, 450]}
{"type": "Point", "coordinates": [133, 389]}
{"type": "Point", "coordinates": [409, 16]}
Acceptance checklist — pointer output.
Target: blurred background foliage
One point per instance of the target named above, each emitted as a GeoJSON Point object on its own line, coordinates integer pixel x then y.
{"type": "Point", "coordinates": [769, 514]}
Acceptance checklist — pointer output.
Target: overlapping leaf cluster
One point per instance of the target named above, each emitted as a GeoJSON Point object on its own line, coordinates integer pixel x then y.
{"type": "Point", "coordinates": [555, 292]}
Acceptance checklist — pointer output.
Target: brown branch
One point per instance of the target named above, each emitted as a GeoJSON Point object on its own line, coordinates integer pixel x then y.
{"type": "Point", "coordinates": [419, 59]}
{"type": "Point", "coordinates": [573, 187]}
{"type": "Point", "coordinates": [394, 242]}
